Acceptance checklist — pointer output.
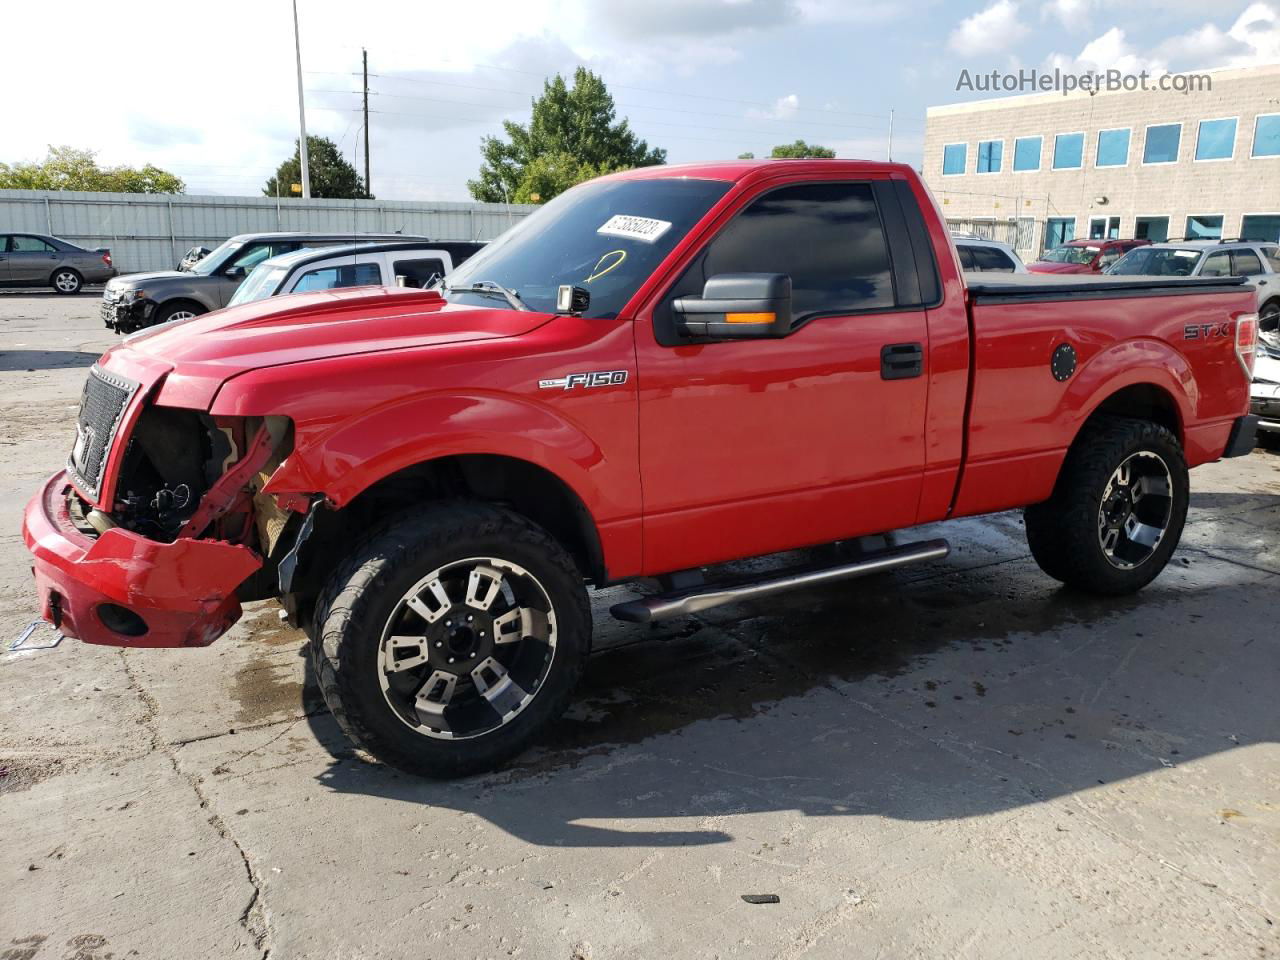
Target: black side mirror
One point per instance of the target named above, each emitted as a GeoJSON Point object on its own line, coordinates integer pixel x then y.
{"type": "Point", "coordinates": [234, 273]}
{"type": "Point", "coordinates": [736, 306]}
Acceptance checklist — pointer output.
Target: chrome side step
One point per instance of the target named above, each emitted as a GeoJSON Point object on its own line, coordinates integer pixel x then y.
{"type": "Point", "coordinates": [663, 606]}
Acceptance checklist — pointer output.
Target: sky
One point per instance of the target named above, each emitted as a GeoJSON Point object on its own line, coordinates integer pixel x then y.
{"type": "Point", "coordinates": [209, 90]}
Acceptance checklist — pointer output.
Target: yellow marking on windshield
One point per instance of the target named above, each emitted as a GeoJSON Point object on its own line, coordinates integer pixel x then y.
{"type": "Point", "coordinates": [596, 272]}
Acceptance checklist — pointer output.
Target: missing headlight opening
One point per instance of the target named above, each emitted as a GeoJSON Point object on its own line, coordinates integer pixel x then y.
{"type": "Point", "coordinates": [178, 462]}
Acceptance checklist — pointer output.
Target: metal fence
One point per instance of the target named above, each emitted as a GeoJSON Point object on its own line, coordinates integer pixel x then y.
{"type": "Point", "coordinates": [1025, 234]}
{"type": "Point", "coordinates": [147, 232]}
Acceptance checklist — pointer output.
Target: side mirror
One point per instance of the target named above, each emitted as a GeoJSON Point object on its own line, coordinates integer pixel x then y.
{"type": "Point", "coordinates": [736, 306]}
{"type": "Point", "coordinates": [234, 273]}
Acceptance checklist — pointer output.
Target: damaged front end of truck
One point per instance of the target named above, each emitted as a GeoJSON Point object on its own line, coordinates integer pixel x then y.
{"type": "Point", "coordinates": [159, 526]}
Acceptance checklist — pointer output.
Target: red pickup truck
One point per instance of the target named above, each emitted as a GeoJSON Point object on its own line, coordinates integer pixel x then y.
{"type": "Point", "coordinates": [657, 372]}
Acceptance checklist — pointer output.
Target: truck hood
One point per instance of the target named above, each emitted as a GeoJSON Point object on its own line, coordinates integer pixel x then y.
{"type": "Point", "coordinates": [205, 351]}
{"type": "Point", "coordinates": [1045, 266]}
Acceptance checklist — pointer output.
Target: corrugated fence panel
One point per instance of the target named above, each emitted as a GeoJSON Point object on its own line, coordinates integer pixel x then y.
{"type": "Point", "coordinates": [148, 232]}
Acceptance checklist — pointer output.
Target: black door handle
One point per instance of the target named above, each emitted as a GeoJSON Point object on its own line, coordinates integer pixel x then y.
{"type": "Point", "coordinates": [900, 361]}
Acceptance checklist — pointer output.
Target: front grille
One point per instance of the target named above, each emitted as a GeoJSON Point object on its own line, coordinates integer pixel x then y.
{"type": "Point", "coordinates": [108, 312]}
{"type": "Point", "coordinates": [102, 405]}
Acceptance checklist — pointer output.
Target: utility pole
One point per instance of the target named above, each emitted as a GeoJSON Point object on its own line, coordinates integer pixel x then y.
{"type": "Point", "coordinates": [890, 157]}
{"type": "Point", "coordinates": [302, 110]}
{"type": "Point", "coordinates": [368, 187]}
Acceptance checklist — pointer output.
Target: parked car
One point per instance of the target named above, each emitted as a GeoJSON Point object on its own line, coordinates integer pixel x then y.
{"type": "Point", "coordinates": [192, 257]}
{"type": "Point", "coordinates": [1264, 398]}
{"type": "Point", "coordinates": [38, 260]}
{"type": "Point", "coordinates": [140, 300]}
{"type": "Point", "coordinates": [657, 372]}
{"type": "Point", "coordinates": [980, 255]}
{"type": "Point", "coordinates": [1258, 262]}
{"type": "Point", "coordinates": [1083, 256]}
{"type": "Point", "coordinates": [411, 264]}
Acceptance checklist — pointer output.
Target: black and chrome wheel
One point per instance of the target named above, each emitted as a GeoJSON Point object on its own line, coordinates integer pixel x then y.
{"type": "Point", "coordinates": [65, 280]}
{"type": "Point", "coordinates": [1118, 508]}
{"type": "Point", "coordinates": [1136, 507]}
{"type": "Point", "coordinates": [174, 312]}
{"type": "Point", "coordinates": [467, 648]}
{"type": "Point", "coordinates": [452, 635]}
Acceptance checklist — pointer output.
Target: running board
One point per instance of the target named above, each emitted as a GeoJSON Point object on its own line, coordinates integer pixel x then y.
{"type": "Point", "coordinates": [681, 603]}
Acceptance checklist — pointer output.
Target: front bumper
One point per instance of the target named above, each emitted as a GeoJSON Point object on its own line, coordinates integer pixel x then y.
{"type": "Point", "coordinates": [182, 593]}
{"type": "Point", "coordinates": [1264, 403]}
{"type": "Point", "coordinates": [123, 317]}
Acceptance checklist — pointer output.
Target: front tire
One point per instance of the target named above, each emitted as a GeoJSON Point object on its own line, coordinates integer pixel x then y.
{"type": "Point", "coordinates": [170, 312]}
{"type": "Point", "coordinates": [66, 281]}
{"type": "Point", "coordinates": [1117, 511]}
{"type": "Point", "coordinates": [451, 637]}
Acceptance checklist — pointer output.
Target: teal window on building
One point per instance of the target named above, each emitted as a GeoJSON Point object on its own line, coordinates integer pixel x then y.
{"type": "Point", "coordinates": [1266, 136]}
{"type": "Point", "coordinates": [954, 156]}
{"type": "Point", "coordinates": [1162, 143]}
{"type": "Point", "coordinates": [1026, 153]}
{"type": "Point", "coordinates": [990, 155]}
{"type": "Point", "coordinates": [1216, 139]}
{"type": "Point", "coordinates": [1068, 151]}
{"type": "Point", "coordinates": [1113, 148]}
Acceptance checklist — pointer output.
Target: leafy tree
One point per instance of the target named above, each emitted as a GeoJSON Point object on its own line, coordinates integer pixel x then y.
{"type": "Point", "coordinates": [69, 168]}
{"type": "Point", "coordinates": [746, 156]}
{"type": "Point", "coordinates": [331, 175]}
{"type": "Point", "coordinates": [571, 136]}
{"type": "Point", "coordinates": [802, 149]}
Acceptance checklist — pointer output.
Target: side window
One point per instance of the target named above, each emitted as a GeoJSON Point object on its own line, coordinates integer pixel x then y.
{"type": "Point", "coordinates": [23, 244]}
{"type": "Point", "coordinates": [1245, 263]}
{"type": "Point", "coordinates": [1217, 265]}
{"type": "Point", "coordinates": [1273, 257]}
{"type": "Point", "coordinates": [418, 273]}
{"type": "Point", "coordinates": [1110, 257]}
{"type": "Point", "coordinates": [966, 257]}
{"type": "Point", "coordinates": [332, 278]}
{"type": "Point", "coordinates": [991, 260]}
{"type": "Point", "coordinates": [826, 236]}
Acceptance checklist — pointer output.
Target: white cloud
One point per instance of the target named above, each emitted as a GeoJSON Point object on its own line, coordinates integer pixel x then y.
{"type": "Point", "coordinates": [784, 108]}
{"type": "Point", "coordinates": [1072, 14]}
{"type": "Point", "coordinates": [989, 31]}
{"type": "Point", "coordinates": [1253, 39]}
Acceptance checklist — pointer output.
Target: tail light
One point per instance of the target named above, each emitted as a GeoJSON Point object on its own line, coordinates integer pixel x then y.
{"type": "Point", "coordinates": [106, 257]}
{"type": "Point", "coordinates": [1247, 341]}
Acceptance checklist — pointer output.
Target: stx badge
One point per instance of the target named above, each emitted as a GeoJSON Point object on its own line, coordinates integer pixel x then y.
{"type": "Point", "coordinates": [1205, 331]}
{"type": "Point", "coordinates": [596, 378]}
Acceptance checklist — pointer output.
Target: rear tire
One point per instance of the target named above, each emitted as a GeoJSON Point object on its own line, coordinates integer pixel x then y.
{"type": "Point", "coordinates": [66, 281]}
{"type": "Point", "coordinates": [1117, 511]}
{"type": "Point", "coordinates": [451, 637]}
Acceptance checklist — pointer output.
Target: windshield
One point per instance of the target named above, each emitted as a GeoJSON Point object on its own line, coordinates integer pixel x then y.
{"type": "Point", "coordinates": [262, 282]}
{"type": "Point", "coordinates": [1071, 254]}
{"type": "Point", "coordinates": [605, 237]}
{"type": "Point", "coordinates": [216, 258]}
{"type": "Point", "coordinates": [1152, 262]}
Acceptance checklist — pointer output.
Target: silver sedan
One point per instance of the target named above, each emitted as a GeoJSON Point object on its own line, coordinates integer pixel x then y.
{"type": "Point", "coordinates": [38, 260]}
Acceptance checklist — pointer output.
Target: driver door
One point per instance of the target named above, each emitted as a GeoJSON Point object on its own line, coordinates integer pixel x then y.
{"type": "Point", "coordinates": [755, 446]}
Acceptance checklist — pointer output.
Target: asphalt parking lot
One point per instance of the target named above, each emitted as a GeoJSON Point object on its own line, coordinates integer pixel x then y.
{"type": "Point", "coordinates": [956, 760]}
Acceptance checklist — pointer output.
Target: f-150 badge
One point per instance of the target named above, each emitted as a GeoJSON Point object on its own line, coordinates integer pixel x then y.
{"type": "Point", "coordinates": [596, 378]}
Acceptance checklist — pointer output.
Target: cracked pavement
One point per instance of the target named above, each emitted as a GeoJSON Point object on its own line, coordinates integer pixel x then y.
{"type": "Point", "coordinates": [958, 759]}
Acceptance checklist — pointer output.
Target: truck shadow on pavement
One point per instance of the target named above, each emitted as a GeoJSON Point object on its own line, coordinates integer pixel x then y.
{"type": "Point", "coordinates": [32, 360]}
{"type": "Point", "coordinates": [968, 687]}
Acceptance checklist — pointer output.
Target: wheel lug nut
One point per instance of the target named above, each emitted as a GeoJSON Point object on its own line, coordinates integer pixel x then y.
{"type": "Point", "coordinates": [451, 659]}
{"type": "Point", "coordinates": [469, 619]}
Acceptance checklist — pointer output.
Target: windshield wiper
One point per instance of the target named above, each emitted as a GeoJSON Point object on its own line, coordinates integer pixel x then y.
{"type": "Point", "coordinates": [490, 288]}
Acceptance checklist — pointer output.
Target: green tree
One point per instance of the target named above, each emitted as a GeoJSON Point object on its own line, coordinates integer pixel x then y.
{"type": "Point", "coordinates": [571, 136]}
{"type": "Point", "coordinates": [802, 149]}
{"type": "Point", "coordinates": [746, 156]}
{"type": "Point", "coordinates": [70, 168]}
{"type": "Point", "coordinates": [331, 175]}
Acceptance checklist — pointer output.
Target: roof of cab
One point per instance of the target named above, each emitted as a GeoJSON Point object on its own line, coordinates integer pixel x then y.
{"type": "Point", "coordinates": [733, 170]}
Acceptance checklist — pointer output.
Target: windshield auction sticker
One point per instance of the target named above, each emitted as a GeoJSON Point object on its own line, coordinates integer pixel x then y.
{"type": "Point", "coordinates": [644, 229]}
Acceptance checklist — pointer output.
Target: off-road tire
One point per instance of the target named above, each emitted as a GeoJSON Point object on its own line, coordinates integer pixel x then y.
{"type": "Point", "coordinates": [1063, 530]}
{"type": "Point", "coordinates": [362, 593]}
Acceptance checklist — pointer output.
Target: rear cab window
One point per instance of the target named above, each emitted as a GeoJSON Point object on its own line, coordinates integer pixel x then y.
{"type": "Point", "coordinates": [338, 276]}
{"type": "Point", "coordinates": [419, 273]}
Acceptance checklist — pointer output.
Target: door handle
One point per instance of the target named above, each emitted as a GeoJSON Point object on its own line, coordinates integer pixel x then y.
{"type": "Point", "coordinates": [901, 361]}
